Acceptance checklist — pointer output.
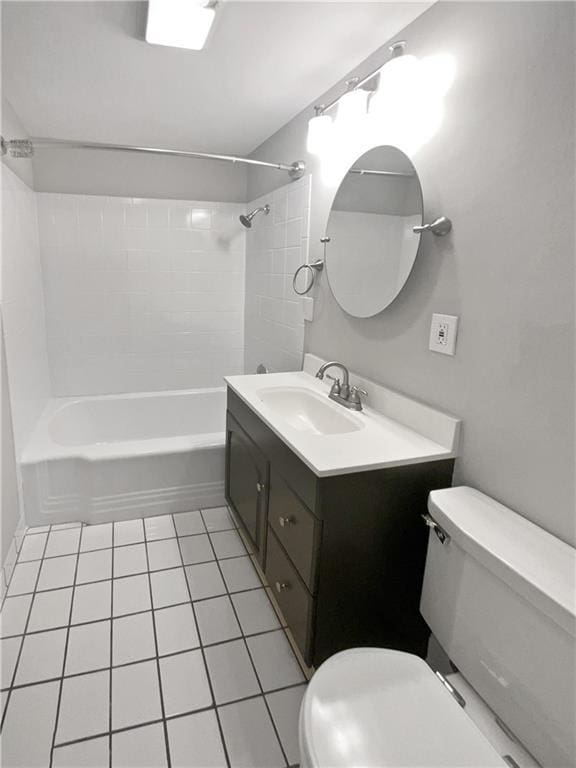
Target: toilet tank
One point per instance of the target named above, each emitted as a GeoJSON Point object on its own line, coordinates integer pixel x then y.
{"type": "Point", "coordinates": [499, 595]}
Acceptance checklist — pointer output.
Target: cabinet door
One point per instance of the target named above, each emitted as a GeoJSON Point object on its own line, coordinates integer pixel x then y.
{"type": "Point", "coordinates": [247, 483]}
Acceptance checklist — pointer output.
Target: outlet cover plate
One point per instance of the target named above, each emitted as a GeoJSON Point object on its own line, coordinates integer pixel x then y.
{"type": "Point", "coordinates": [443, 332]}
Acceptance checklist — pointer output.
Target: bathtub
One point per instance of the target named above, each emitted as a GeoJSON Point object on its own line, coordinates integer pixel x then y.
{"type": "Point", "coordinates": [117, 457]}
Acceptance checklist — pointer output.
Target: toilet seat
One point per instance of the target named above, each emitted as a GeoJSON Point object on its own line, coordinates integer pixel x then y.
{"type": "Point", "coordinates": [374, 707]}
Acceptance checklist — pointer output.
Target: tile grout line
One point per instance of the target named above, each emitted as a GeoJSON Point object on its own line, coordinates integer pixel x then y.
{"type": "Point", "coordinates": [202, 651]}
{"type": "Point", "coordinates": [110, 679]}
{"type": "Point", "coordinates": [169, 718]}
{"type": "Point", "coordinates": [123, 576]}
{"type": "Point", "coordinates": [61, 686]}
{"type": "Point", "coordinates": [248, 649]}
{"type": "Point", "coordinates": [158, 671]}
{"type": "Point", "coordinates": [29, 614]}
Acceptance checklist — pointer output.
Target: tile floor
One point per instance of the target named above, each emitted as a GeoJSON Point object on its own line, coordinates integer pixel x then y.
{"type": "Point", "coordinates": [145, 643]}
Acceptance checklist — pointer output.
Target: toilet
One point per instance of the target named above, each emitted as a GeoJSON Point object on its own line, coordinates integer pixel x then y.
{"type": "Point", "coordinates": [499, 596]}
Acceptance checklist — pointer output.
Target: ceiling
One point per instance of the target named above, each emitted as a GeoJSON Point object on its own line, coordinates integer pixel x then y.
{"type": "Point", "coordinates": [81, 70]}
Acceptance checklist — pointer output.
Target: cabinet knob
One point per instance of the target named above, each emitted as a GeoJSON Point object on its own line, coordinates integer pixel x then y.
{"type": "Point", "coordinates": [259, 487]}
{"type": "Point", "coordinates": [285, 521]}
{"type": "Point", "coordinates": [281, 586]}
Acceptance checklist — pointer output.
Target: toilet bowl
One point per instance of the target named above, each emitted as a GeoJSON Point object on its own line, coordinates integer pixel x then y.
{"type": "Point", "coordinates": [499, 596]}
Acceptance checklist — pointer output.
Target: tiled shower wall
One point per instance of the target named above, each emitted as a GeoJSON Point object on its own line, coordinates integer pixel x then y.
{"type": "Point", "coordinates": [275, 246]}
{"type": "Point", "coordinates": [141, 294]}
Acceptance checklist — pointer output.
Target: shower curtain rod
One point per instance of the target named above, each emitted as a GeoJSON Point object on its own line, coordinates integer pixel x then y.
{"type": "Point", "coordinates": [25, 148]}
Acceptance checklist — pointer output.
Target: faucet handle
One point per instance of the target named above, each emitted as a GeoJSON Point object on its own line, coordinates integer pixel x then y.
{"type": "Point", "coordinates": [335, 389]}
{"type": "Point", "coordinates": [355, 393]}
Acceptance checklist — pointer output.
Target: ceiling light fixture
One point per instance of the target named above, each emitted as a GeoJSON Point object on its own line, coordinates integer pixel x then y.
{"type": "Point", "coordinates": [319, 131]}
{"type": "Point", "coordinates": [180, 23]}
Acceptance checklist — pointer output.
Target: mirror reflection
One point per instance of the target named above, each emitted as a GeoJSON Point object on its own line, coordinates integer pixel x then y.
{"type": "Point", "coordinates": [372, 245]}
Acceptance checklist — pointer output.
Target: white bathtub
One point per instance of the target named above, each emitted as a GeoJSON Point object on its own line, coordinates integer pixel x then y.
{"type": "Point", "coordinates": [116, 457]}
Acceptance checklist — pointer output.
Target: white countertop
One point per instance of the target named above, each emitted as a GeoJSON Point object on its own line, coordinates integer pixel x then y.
{"type": "Point", "coordinates": [395, 431]}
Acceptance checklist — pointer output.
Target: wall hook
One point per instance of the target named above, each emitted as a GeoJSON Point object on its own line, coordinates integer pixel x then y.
{"type": "Point", "coordinates": [439, 227]}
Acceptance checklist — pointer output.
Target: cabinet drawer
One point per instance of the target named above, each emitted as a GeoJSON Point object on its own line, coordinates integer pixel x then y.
{"type": "Point", "coordinates": [293, 598]}
{"type": "Point", "coordinates": [295, 526]}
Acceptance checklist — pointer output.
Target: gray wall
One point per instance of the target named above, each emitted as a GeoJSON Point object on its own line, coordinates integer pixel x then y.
{"type": "Point", "coordinates": [128, 175]}
{"type": "Point", "coordinates": [12, 128]}
{"type": "Point", "coordinates": [502, 167]}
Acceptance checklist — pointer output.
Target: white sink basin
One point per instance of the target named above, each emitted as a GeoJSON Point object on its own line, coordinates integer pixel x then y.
{"type": "Point", "coordinates": [308, 412]}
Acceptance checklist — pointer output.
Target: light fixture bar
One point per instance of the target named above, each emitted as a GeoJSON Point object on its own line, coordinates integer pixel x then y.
{"type": "Point", "coordinates": [25, 148]}
{"type": "Point", "coordinates": [396, 49]}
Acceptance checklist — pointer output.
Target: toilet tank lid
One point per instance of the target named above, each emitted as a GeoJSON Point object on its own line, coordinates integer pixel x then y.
{"type": "Point", "coordinates": [533, 562]}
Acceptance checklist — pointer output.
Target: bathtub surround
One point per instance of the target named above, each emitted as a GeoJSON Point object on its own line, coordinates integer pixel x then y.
{"type": "Point", "coordinates": [141, 294]}
{"type": "Point", "coordinates": [23, 307]}
{"type": "Point", "coordinates": [498, 167]}
{"type": "Point", "coordinates": [275, 247]}
{"type": "Point", "coordinates": [123, 644]}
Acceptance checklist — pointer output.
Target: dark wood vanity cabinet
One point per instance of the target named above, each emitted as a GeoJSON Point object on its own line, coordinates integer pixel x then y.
{"type": "Point", "coordinates": [343, 554]}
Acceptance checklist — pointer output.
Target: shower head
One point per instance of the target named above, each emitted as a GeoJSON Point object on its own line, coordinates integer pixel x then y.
{"type": "Point", "coordinates": [246, 219]}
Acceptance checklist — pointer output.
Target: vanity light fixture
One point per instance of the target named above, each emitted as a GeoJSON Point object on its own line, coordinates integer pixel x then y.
{"type": "Point", "coordinates": [180, 23]}
{"type": "Point", "coordinates": [352, 104]}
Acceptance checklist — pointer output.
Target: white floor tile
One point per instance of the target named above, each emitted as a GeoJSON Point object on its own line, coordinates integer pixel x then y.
{"type": "Point", "coordinates": [37, 529]}
{"type": "Point", "coordinates": [83, 707]}
{"type": "Point", "coordinates": [189, 523]}
{"type": "Point", "coordinates": [249, 735]}
{"type": "Point", "coordinates": [32, 547]}
{"type": "Point", "coordinates": [42, 657]}
{"type": "Point", "coordinates": [176, 629]}
{"type": "Point", "coordinates": [285, 708]}
{"type": "Point", "coordinates": [216, 620]}
{"type": "Point", "coordinates": [163, 554]}
{"type": "Point", "coordinates": [86, 754]}
{"type": "Point", "coordinates": [57, 572]}
{"type": "Point", "coordinates": [92, 602]}
{"type": "Point", "coordinates": [274, 660]}
{"type": "Point", "coordinates": [135, 694]}
{"type": "Point", "coordinates": [128, 532]}
{"type": "Point", "coordinates": [196, 549]}
{"type": "Point", "coordinates": [24, 578]}
{"type": "Point", "coordinates": [94, 566]}
{"type": "Point", "coordinates": [184, 683]}
{"type": "Point", "coordinates": [50, 609]}
{"type": "Point", "coordinates": [240, 574]}
{"type": "Point", "coordinates": [14, 615]}
{"type": "Point", "coordinates": [9, 650]}
{"type": "Point", "coordinates": [88, 648]}
{"type": "Point", "coordinates": [131, 594]}
{"type": "Point", "coordinates": [227, 544]}
{"type": "Point", "coordinates": [231, 672]}
{"type": "Point", "coordinates": [31, 710]}
{"type": "Point", "coordinates": [205, 580]}
{"type": "Point", "coordinates": [96, 537]}
{"type": "Point", "coordinates": [133, 638]}
{"type": "Point", "coordinates": [195, 741]}
{"type": "Point", "coordinates": [130, 560]}
{"type": "Point", "coordinates": [140, 748]}
{"type": "Point", "coordinates": [63, 542]}
{"type": "Point", "coordinates": [160, 527]}
{"type": "Point", "coordinates": [255, 612]}
{"type": "Point", "coordinates": [169, 587]}
{"type": "Point", "coordinates": [217, 519]}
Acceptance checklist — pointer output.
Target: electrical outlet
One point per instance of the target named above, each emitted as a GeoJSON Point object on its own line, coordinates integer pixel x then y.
{"type": "Point", "coordinates": [443, 330]}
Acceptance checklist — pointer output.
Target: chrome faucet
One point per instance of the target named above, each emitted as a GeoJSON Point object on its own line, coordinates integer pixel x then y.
{"type": "Point", "coordinates": [342, 392]}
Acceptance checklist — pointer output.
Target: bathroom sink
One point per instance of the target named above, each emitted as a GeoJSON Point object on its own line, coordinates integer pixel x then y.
{"type": "Point", "coordinates": [308, 412]}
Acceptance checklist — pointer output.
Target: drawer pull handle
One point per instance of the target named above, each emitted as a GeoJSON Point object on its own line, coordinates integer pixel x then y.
{"type": "Point", "coordinates": [282, 585]}
{"type": "Point", "coordinates": [285, 521]}
{"type": "Point", "coordinates": [259, 487]}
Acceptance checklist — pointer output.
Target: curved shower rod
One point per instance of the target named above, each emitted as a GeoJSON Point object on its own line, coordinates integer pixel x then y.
{"type": "Point", "coordinates": [25, 148]}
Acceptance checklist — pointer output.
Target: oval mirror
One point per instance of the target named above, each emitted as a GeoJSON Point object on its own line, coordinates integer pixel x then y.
{"type": "Point", "coordinates": [372, 247]}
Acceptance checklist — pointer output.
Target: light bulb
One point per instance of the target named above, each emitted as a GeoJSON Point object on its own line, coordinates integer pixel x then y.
{"type": "Point", "coordinates": [351, 108]}
{"type": "Point", "coordinates": [319, 129]}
